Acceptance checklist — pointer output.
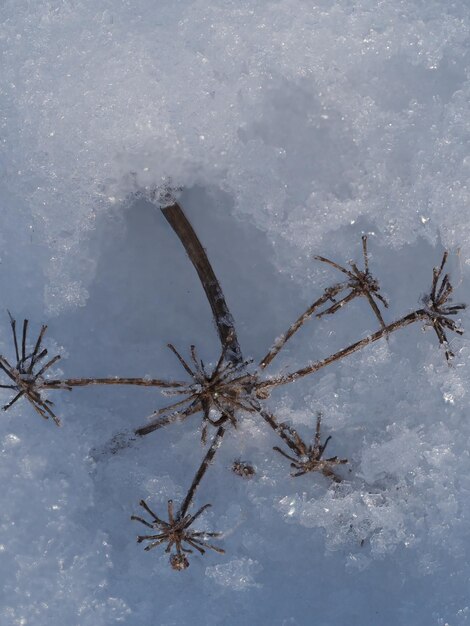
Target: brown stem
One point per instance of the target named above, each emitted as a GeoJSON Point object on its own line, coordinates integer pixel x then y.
{"type": "Point", "coordinates": [160, 422]}
{"type": "Point", "coordinates": [223, 320]}
{"type": "Point", "coordinates": [198, 257]}
{"type": "Point", "coordinates": [206, 461]}
{"type": "Point", "coordinates": [283, 339]}
{"type": "Point", "coordinates": [415, 316]}
{"type": "Point", "coordinates": [84, 382]}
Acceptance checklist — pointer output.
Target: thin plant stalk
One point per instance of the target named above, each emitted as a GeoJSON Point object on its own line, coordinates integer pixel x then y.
{"type": "Point", "coordinates": [411, 318]}
{"type": "Point", "coordinates": [206, 461]}
{"type": "Point", "coordinates": [284, 338]}
{"type": "Point", "coordinates": [68, 383]}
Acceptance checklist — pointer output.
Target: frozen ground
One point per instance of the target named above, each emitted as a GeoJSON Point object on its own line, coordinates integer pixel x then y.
{"type": "Point", "coordinates": [292, 127]}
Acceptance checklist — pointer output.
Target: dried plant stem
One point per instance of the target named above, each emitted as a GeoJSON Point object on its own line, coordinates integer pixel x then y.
{"type": "Point", "coordinates": [206, 461]}
{"type": "Point", "coordinates": [222, 317]}
{"type": "Point", "coordinates": [411, 318]}
{"type": "Point", "coordinates": [228, 338]}
{"type": "Point", "coordinates": [280, 429]}
{"type": "Point", "coordinates": [68, 383]}
{"type": "Point", "coordinates": [167, 419]}
{"type": "Point", "coordinates": [230, 388]}
{"type": "Point", "coordinates": [283, 339]}
{"type": "Point", "coordinates": [198, 257]}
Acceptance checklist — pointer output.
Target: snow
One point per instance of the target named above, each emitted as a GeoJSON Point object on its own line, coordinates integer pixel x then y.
{"type": "Point", "coordinates": [291, 128]}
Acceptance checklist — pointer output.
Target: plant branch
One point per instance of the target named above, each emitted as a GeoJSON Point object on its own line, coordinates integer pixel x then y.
{"type": "Point", "coordinates": [283, 339]}
{"type": "Point", "coordinates": [411, 318]}
{"type": "Point", "coordinates": [198, 257]}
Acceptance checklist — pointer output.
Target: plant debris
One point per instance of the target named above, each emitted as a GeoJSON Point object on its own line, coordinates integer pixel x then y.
{"type": "Point", "coordinates": [232, 388]}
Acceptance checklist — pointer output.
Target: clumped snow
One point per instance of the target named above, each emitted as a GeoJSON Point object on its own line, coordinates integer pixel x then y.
{"type": "Point", "coordinates": [291, 128]}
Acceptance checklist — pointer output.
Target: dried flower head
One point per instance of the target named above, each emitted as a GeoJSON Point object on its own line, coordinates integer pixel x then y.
{"type": "Point", "coordinates": [219, 394]}
{"type": "Point", "coordinates": [26, 375]}
{"type": "Point", "coordinates": [360, 283]}
{"type": "Point", "coordinates": [309, 458]}
{"type": "Point", "coordinates": [437, 309]}
{"type": "Point", "coordinates": [177, 534]}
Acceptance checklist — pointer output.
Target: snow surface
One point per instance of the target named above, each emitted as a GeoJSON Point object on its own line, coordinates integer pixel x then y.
{"type": "Point", "coordinates": [292, 127]}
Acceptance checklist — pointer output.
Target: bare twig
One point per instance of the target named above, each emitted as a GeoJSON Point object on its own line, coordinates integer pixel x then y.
{"type": "Point", "coordinates": [198, 257]}
{"type": "Point", "coordinates": [411, 318]}
{"type": "Point", "coordinates": [229, 389]}
{"type": "Point", "coordinates": [175, 416]}
{"type": "Point", "coordinates": [360, 283]}
{"type": "Point", "coordinates": [282, 429]}
{"type": "Point", "coordinates": [329, 294]}
{"type": "Point", "coordinates": [68, 383]}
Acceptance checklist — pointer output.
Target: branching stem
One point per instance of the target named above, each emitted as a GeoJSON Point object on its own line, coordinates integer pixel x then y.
{"type": "Point", "coordinates": [280, 429]}
{"type": "Point", "coordinates": [411, 318]}
{"type": "Point", "coordinates": [206, 461]}
{"type": "Point", "coordinates": [283, 339]}
{"type": "Point", "coordinates": [198, 257]}
{"type": "Point", "coordinates": [223, 320]}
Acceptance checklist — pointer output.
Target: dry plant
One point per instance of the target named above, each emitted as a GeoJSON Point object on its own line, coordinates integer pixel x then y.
{"type": "Point", "coordinates": [234, 387]}
{"type": "Point", "coordinates": [309, 458]}
{"type": "Point", "coordinates": [175, 533]}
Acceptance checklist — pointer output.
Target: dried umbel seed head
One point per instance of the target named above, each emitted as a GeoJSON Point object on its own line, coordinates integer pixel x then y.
{"type": "Point", "coordinates": [438, 307]}
{"type": "Point", "coordinates": [219, 394]}
{"type": "Point", "coordinates": [309, 458]}
{"type": "Point", "coordinates": [360, 283]}
{"type": "Point", "coordinates": [26, 376]}
{"type": "Point", "coordinates": [176, 534]}
{"type": "Point", "coordinates": [222, 393]}
{"type": "Point", "coordinates": [245, 470]}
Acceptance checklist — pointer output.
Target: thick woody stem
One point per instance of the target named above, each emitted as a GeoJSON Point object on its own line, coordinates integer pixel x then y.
{"type": "Point", "coordinates": [198, 257]}
{"type": "Point", "coordinates": [411, 318]}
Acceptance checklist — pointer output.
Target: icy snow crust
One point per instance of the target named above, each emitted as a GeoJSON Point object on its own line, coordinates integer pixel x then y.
{"type": "Point", "coordinates": [292, 128]}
